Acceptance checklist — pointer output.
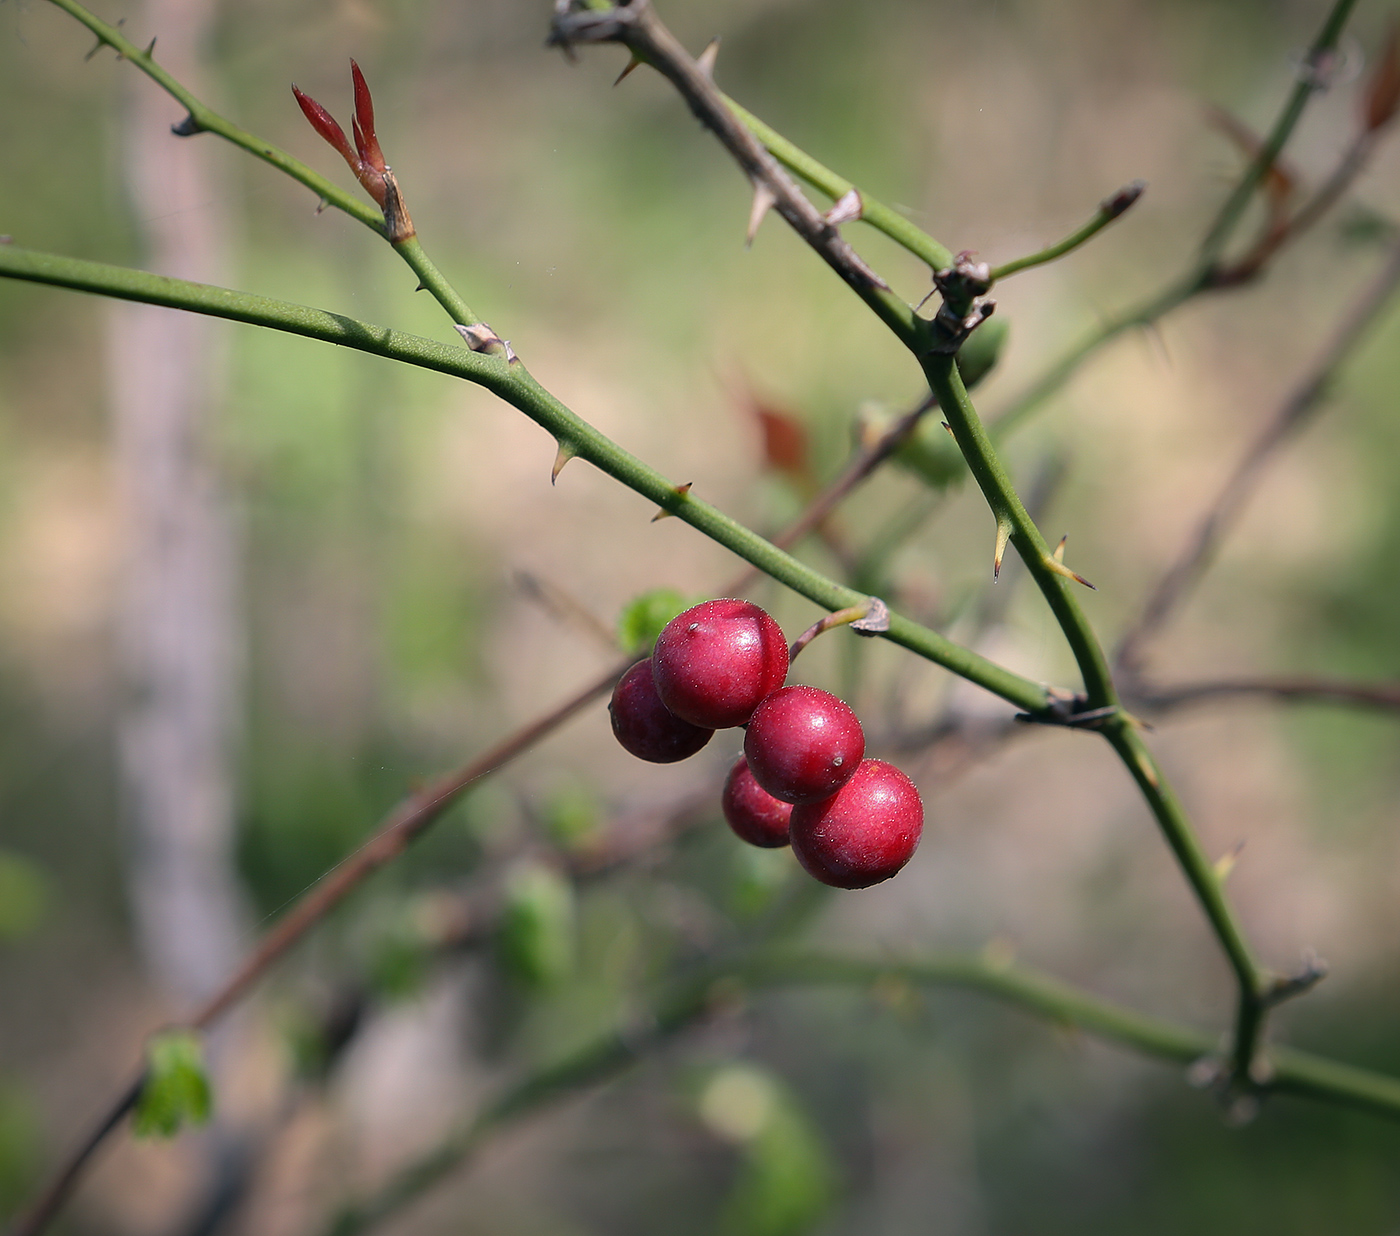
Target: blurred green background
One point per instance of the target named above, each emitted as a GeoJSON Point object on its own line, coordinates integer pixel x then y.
{"type": "Point", "coordinates": [381, 519]}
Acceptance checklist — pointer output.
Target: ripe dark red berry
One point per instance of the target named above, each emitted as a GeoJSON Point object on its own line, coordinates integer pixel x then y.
{"type": "Point", "coordinates": [643, 724]}
{"type": "Point", "coordinates": [803, 744]}
{"type": "Point", "coordinates": [863, 833]}
{"type": "Point", "coordinates": [752, 812]}
{"type": "Point", "coordinates": [715, 663]}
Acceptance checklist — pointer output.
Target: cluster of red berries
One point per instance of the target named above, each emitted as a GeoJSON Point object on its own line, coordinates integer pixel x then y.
{"type": "Point", "coordinates": [803, 778]}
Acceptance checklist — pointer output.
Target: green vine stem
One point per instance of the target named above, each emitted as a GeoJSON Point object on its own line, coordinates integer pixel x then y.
{"type": "Point", "coordinates": [1109, 210]}
{"type": "Point", "coordinates": [513, 383]}
{"type": "Point", "coordinates": [1291, 1072]}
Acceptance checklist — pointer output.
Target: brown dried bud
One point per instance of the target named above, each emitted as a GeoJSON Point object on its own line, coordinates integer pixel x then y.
{"type": "Point", "coordinates": [1383, 94]}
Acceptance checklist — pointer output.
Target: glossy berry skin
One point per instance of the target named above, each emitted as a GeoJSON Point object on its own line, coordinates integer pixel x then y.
{"type": "Point", "coordinates": [803, 744]}
{"type": "Point", "coordinates": [752, 812]}
{"type": "Point", "coordinates": [643, 724]}
{"type": "Point", "coordinates": [864, 833]}
{"type": "Point", "coordinates": [715, 663]}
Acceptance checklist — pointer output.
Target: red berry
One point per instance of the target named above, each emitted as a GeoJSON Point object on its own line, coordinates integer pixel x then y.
{"type": "Point", "coordinates": [716, 662]}
{"type": "Point", "coordinates": [645, 727]}
{"type": "Point", "coordinates": [752, 812]}
{"type": "Point", "coordinates": [863, 833]}
{"type": "Point", "coordinates": [803, 744]}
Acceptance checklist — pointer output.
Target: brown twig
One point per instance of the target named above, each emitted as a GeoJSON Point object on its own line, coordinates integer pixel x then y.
{"type": "Point", "coordinates": [1384, 696]}
{"type": "Point", "coordinates": [1178, 580]}
{"type": "Point", "coordinates": [407, 822]}
{"type": "Point", "coordinates": [636, 26]}
{"type": "Point", "coordinates": [1286, 230]}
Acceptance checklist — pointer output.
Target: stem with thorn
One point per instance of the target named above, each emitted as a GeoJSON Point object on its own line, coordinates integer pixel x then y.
{"type": "Point", "coordinates": [513, 383]}
{"type": "Point", "coordinates": [637, 27]}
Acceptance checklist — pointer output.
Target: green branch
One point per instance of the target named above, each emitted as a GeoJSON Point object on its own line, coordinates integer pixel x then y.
{"type": "Point", "coordinates": [1109, 210]}
{"type": "Point", "coordinates": [513, 383]}
{"type": "Point", "coordinates": [874, 212]}
{"type": "Point", "coordinates": [1293, 1072]}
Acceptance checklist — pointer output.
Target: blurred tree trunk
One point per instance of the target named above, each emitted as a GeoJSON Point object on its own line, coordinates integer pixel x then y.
{"type": "Point", "coordinates": [180, 637]}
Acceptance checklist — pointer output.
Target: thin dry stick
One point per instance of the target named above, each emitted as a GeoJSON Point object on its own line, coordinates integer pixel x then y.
{"type": "Point", "coordinates": [1292, 415]}
{"type": "Point", "coordinates": [409, 820]}
{"type": "Point", "coordinates": [1384, 696]}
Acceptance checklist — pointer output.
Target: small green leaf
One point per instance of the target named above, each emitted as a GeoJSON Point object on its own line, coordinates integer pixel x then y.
{"type": "Point", "coordinates": [177, 1090]}
{"type": "Point", "coordinates": [538, 926]}
{"type": "Point", "coordinates": [641, 621]}
{"type": "Point", "coordinates": [572, 815]}
{"type": "Point", "coordinates": [24, 896]}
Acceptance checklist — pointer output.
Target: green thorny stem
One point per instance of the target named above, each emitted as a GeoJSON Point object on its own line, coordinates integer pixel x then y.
{"type": "Point", "coordinates": [1312, 76]}
{"type": "Point", "coordinates": [637, 28]}
{"type": "Point", "coordinates": [511, 381]}
{"type": "Point", "coordinates": [719, 985]}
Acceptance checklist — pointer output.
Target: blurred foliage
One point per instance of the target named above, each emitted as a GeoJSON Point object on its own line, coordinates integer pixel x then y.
{"type": "Point", "coordinates": [538, 925]}
{"type": "Point", "coordinates": [19, 1146]}
{"type": "Point", "coordinates": [787, 1180]}
{"type": "Point", "coordinates": [24, 896]}
{"type": "Point", "coordinates": [176, 1090]}
{"type": "Point", "coordinates": [642, 619]}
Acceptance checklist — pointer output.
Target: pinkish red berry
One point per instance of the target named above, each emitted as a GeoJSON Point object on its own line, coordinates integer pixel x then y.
{"type": "Point", "coordinates": [643, 724]}
{"type": "Point", "coordinates": [752, 812]}
{"type": "Point", "coordinates": [803, 744]}
{"type": "Point", "coordinates": [715, 663]}
{"type": "Point", "coordinates": [862, 834]}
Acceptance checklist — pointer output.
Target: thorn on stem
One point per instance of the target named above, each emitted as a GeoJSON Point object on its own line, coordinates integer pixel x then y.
{"type": "Point", "coordinates": [1059, 554]}
{"type": "Point", "coordinates": [681, 491]}
{"type": "Point", "coordinates": [631, 67]}
{"type": "Point", "coordinates": [1059, 568]}
{"type": "Point", "coordinates": [565, 453]}
{"type": "Point", "coordinates": [150, 47]}
{"type": "Point", "coordinates": [706, 59]}
{"type": "Point", "coordinates": [846, 209]}
{"type": "Point", "coordinates": [1003, 536]}
{"type": "Point", "coordinates": [763, 200]}
{"type": "Point", "coordinates": [1226, 862]}
{"type": "Point", "coordinates": [481, 338]}
{"type": "Point", "coordinates": [188, 127]}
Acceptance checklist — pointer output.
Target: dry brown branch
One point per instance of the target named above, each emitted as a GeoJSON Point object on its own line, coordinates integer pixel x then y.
{"type": "Point", "coordinates": [1384, 696]}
